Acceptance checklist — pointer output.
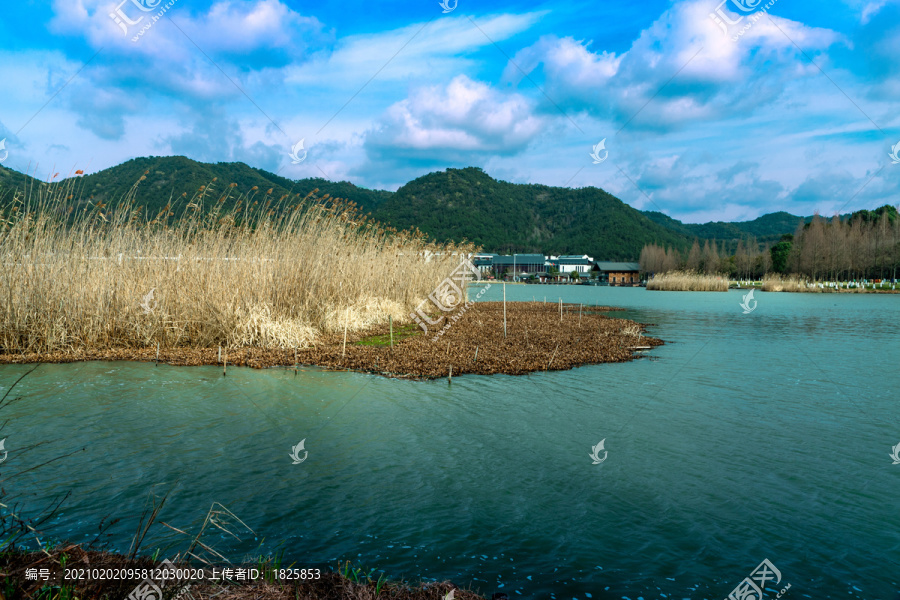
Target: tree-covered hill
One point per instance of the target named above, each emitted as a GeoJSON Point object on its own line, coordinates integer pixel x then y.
{"type": "Point", "coordinates": [171, 176]}
{"type": "Point", "coordinates": [456, 204]}
{"type": "Point", "coordinates": [507, 217]}
{"type": "Point", "coordinates": [768, 227]}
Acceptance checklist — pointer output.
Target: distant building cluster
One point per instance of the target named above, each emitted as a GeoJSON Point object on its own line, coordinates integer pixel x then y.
{"type": "Point", "coordinates": [569, 268]}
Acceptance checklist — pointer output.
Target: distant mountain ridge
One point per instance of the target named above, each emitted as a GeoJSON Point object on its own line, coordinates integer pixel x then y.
{"type": "Point", "coordinates": [454, 204]}
{"type": "Point", "coordinates": [768, 227]}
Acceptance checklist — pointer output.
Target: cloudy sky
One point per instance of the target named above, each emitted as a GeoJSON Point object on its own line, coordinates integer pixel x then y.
{"type": "Point", "coordinates": [795, 107]}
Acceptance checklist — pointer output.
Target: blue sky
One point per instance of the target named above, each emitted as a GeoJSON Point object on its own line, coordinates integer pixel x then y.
{"type": "Point", "coordinates": [798, 113]}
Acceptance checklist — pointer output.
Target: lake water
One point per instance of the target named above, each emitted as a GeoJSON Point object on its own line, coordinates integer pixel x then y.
{"type": "Point", "coordinates": [746, 437]}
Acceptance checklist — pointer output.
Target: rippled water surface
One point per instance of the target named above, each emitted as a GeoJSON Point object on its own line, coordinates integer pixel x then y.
{"type": "Point", "coordinates": [745, 437]}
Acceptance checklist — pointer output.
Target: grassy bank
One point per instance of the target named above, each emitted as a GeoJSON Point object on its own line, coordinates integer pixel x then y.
{"type": "Point", "coordinates": [538, 337]}
{"type": "Point", "coordinates": [342, 583]}
{"type": "Point", "coordinates": [233, 269]}
{"type": "Point", "coordinates": [687, 281]}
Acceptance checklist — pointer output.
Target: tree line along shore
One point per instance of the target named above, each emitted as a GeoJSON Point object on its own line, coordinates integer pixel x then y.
{"type": "Point", "coordinates": [863, 246]}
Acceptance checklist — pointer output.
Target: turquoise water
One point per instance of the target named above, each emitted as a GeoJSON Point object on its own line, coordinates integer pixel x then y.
{"type": "Point", "coordinates": [746, 437]}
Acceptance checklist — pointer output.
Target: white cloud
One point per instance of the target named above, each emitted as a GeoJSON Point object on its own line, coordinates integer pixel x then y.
{"type": "Point", "coordinates": [452, 122]}
{"type": "Point", "coordinates": [682, 62]}
{"type": "Point", "coordinates": [433, 50]}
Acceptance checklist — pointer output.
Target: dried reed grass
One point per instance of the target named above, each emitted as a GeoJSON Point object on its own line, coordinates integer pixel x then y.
{"type": "Point", "coordinates": [688, 281]}
{"type": "Point", "coordinates": [233, 270]}
{"type": "Point", "coordinates": [794, 283]}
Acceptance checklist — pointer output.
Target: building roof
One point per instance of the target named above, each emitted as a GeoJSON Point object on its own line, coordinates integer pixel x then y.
{"type": "Point", "coordinates": [520, 259]}
{"type": "Point", "coordinates": [617, 266]}
{"type": "Point", "coordinates": [572, 260]}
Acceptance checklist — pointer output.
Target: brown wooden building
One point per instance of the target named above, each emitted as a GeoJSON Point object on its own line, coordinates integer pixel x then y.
{"type": "Point", "coordinates": [618, 273]}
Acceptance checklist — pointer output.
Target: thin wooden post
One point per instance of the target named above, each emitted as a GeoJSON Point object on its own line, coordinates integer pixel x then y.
{"type": "Point", "coordinates": [448, 350]}
{"type": "Point", "coordinates": [450, 378]}
{"type": "Point", "coordinates": [220, 353]}
{"type": "Point", "coordinates": [580, 308]}
{"type": "Point", "coordinates": [504, 310]}
{"type": "Point", "coordinates": [157, 354]}
{"type": "Point", "coordinates": [391, 323]}
{"type": "Point", "coordinates": [552, 357]}
{"type": "Point", "coordinates": [476, 355]}
{"type": "Point", "coordinates": [225, 365]}
{"type": "Point", "coordinates": [344, 351]}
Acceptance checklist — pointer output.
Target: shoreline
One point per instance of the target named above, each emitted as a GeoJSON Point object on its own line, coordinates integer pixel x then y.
{"type": "Point", "coordinates": [539, 337]}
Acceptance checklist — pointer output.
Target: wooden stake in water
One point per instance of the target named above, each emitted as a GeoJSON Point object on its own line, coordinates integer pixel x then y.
{"type": "Point", "coordinates": [391, 323]}
{"type": "Point", "coordinates": [220, 354]}
{"type": "Point", "coordinates": [450, 378]}
{"type": "Point", "coordinates": [504, 310]}
{"type": "Point", "coordinates": [157, 354]}
{"type": "Point", "coordinates": [225, 365]}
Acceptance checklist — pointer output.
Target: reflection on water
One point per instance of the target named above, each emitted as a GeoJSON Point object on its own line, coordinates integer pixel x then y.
{"type": "Point", "coordinates": [745, 437]}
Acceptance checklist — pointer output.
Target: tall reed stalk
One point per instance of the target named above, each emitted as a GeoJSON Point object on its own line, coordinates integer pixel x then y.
{"type": "Point", "coordinates": [236, 269]}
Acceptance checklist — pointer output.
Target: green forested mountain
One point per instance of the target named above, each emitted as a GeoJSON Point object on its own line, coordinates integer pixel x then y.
{"type": "Point", "coordinates": [768, 227]}
{"type": "Point", "coordinates": [171, 176]}
{"type": "Point", "coordinates": [456, 204]}
{"type": "Point", "coordinates": [508, 217]}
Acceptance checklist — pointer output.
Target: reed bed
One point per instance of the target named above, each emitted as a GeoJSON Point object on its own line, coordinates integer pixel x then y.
{"type": "Point", "coordinates": [794, 283]}
{"type": "Point", "coordinates": [688, 281]}
{"type": "Point", "coordinates": [777, 283]}
{"type": "Point", "coordinates": [232, 269]}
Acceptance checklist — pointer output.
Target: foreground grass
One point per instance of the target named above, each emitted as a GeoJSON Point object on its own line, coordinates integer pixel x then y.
{"type": "Point", "coordinates": [687, 281]}
{"type": "Point", "coordinates": [232, 270]}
